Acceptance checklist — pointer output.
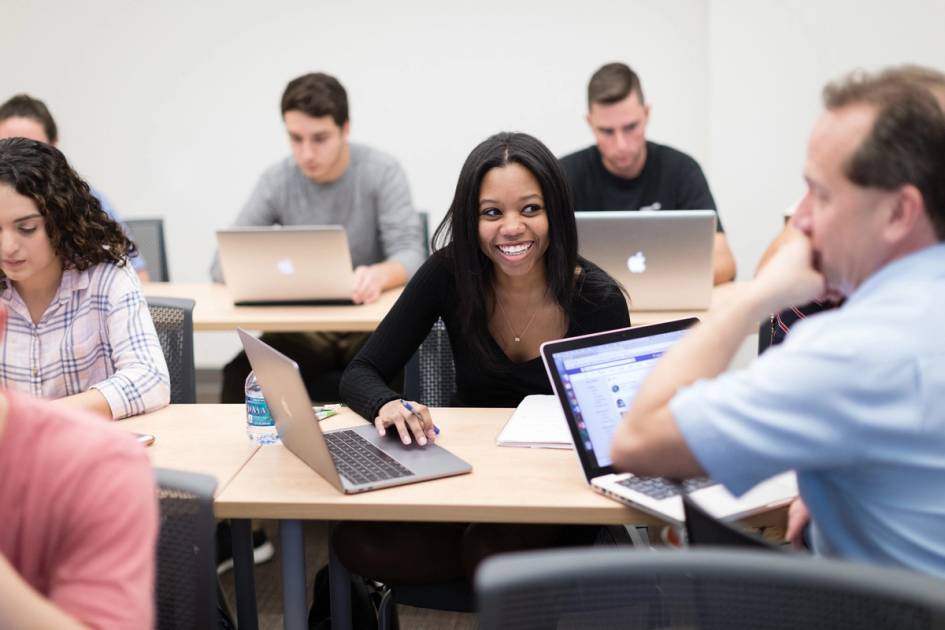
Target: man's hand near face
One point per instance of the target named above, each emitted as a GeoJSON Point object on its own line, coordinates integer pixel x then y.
{"type": "Point", "coordinates": [790, 277]}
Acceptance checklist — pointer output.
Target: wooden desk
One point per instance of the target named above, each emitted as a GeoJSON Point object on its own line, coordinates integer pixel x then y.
{"type": "Point", "coordinates": [720, 294]}
{"type": "Point", "coordinates": [208, 439]}
{"type": "Point", "coordinates": [507, 485]}
{"type": "Point", "coordinates": [214, 310]}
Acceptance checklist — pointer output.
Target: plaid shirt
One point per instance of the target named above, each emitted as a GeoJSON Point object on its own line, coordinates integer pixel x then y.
{"type": "Point", "coordinates": [96, 333]}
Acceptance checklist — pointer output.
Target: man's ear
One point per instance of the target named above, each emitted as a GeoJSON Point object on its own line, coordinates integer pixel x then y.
{"type": "Point", "coordinates": [907, 211]}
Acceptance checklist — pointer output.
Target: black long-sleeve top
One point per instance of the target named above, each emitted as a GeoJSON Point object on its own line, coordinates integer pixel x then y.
{"type": "Point", "coordinates": [597, 306]}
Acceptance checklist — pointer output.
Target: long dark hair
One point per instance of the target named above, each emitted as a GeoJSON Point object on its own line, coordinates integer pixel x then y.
{"type": "Point", "coordinates": [81, 233]}
{"type": "Point", "coordinates": [457, 237]}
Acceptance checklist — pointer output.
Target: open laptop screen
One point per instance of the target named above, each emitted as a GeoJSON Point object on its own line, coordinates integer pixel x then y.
{"type": "Point", "coordinates": [597, 377]}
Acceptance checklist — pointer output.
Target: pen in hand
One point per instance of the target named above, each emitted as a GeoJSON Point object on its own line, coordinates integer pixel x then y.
{"type": "Point", "coordinates": [409, 407]}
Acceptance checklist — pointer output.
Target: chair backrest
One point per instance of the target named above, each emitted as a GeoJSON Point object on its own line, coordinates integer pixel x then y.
{"type": "Point", "coordinates": [704, 529]}
{"type": "Point", "coordinates": [148, 235]}
{"type": "Point", "coordinates": [430, 376]}
{"type": "Point", "coordinates": [186, 554]}
{"type": "Point", "coordinates": [733, 589]}
{"type": "Point", "coordinates": [765, 333]}
{"type": "Point", "coordinates": [425, 231]}
{"type": "Point", "coordinates": [174, 322]}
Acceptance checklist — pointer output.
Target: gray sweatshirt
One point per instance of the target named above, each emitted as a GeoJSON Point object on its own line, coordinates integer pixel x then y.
{"type": "Point", "coordinates": [371, 200]}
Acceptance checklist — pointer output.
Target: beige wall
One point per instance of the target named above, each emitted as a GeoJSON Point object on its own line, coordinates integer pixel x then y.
{"type": "Point", "coordinates": [171, 108]}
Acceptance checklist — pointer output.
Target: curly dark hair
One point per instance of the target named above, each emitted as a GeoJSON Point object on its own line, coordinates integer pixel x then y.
{"type": "Point", "coordinates": [81, 233]}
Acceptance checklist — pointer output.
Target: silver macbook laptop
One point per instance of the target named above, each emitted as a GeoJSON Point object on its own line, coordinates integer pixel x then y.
{"type": "Point", "coordinates": [353, 460]}
{"type": "Point", "coordinates": [287, 265]}
{"type": "Point", "coordinates": [596, 378]}
{"type": "Point", "coordinates": [663, 258]}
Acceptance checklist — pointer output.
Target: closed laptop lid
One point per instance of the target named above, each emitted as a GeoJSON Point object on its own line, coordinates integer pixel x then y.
{"type": "Point", "coordinates": [286, 264]}
{"type": "Point", "coordinates": [663, 258]}
{"type": "Point", "coordinates": [596, 378]}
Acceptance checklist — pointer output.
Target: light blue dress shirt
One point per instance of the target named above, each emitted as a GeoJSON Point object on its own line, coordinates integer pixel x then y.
{"type": "Point", "coordinates": [854, 400]}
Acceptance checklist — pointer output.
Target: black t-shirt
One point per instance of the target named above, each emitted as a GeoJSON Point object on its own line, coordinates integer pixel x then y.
{"type": "Point", "coordinates": [670, 180]}
{"type": "Point", "coordinates": [431, 294]}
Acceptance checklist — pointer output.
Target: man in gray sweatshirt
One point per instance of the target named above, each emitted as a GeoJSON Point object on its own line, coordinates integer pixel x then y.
{"type": "Point", "coordinates": [328, 180]}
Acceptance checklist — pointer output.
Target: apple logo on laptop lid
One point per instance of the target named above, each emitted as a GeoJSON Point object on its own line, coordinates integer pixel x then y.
{"type": "Point", "coordinates": [285, 266]}
{"type": "Point", "coordinates": [637, 263]}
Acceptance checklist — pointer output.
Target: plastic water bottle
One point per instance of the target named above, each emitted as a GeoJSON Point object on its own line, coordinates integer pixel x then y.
{"type": "Point", "coordinates": [260, 427]}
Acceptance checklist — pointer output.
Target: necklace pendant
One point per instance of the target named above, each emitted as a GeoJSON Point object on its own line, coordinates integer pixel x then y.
{"type": "Point", "coordinates": [517, 339]}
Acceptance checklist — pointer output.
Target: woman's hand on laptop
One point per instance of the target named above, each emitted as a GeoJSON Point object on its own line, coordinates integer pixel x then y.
{"type": "Point", "coordinates": [408, 418]}
{"type": "Point", "coordinates": [368, 284]}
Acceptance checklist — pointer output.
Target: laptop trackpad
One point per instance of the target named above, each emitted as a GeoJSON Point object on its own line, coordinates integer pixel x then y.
{"type": "Point", "coordinates": [422, 460]}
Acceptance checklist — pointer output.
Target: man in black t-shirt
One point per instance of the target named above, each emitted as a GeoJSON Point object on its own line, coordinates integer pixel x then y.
{"type": "Point", "coordinates": [625, 171]}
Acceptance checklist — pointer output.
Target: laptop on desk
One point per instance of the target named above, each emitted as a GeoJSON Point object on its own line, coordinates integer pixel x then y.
{"type": "Point", "coordinates": [353, 460]}
{"type": "Point", "coordinates": [663, 258]}
{"type": "Point", "coordinates": [596, 378]}
{"type": "Point", "coordinates": [286, 265]}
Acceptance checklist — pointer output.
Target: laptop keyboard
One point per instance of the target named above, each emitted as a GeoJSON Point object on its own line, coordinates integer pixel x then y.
{"type": "Point", "coordinates": [661, 488]}
{"type": "Point", "coordinates": [359, 461]}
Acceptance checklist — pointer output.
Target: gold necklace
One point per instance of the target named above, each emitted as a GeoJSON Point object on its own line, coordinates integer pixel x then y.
{"type": "Point", "coordinates": [516, 337]}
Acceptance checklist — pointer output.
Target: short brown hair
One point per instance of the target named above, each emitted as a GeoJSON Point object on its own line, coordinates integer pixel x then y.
{"type": "Point", "coordinates": [612, 83]}
{"type": "Point", "coordinates": [929, 78]}
{"type": "Point", "coordinates": [907, 142]}
{"type": "Point", "coordinates": [316, 94]}
{"type": "Point", "coordinates": [25, 106]}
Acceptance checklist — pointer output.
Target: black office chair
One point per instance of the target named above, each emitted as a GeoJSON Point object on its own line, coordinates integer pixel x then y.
{"type": "Point", "coordinates": [425, 231]}
{"type": "Point", "coordinates": [703, 529]}
{"type": "Point", "coordinates": [148, 236]}
{"type": "Point", "coordinates": [430, 376]}
{"type": "Point", "coordinates": [174, 323]}
{"type": "Point", "coordinates": [706, 589]}
{"type": "Point", "coordinates": [765, 333]}
{"type": "Point", "coordinates": [186, 555]}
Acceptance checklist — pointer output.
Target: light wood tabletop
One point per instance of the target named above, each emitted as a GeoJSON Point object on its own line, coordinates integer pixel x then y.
{"type": "Point", "coordinates": [209, 439]}
{"type": "Point", "coordinates": [720, 294]}
{"type": "Point", "coordinates": [512, 485]}
{"type": "Point", "coordinates": [214, 310]}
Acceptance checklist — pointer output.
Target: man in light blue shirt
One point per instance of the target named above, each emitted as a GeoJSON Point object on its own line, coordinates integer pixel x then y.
{"type": "Point", "coordinates": [853, 399]}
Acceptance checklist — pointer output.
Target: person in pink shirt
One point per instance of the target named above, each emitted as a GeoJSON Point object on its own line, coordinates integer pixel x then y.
{"type": "Point", "coordinates": [80, 519]}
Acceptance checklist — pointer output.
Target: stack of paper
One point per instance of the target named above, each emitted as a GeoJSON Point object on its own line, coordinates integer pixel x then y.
{"type": "Point", "coordinates": [537, 422]}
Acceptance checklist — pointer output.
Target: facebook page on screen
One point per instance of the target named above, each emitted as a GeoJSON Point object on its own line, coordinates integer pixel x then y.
{"type": "Point", "coordinates": [600, 384]}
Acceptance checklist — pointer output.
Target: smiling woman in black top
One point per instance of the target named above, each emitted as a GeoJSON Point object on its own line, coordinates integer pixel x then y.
{"type": "Point", "coordinates": [505, 277]}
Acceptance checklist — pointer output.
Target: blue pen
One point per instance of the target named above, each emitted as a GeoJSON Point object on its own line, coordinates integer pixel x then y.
{"type": "Point", "coordinates": [410, 408]}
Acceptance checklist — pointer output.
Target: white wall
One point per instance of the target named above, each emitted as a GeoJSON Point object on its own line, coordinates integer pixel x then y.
{"type": "Point", "coordinates": [768, 62]}
{"type": "Point", "coordinates": [172, 108]}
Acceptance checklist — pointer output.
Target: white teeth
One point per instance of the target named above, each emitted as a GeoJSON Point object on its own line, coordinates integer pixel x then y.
{"type": "Point", "coordinates": [513, 250]}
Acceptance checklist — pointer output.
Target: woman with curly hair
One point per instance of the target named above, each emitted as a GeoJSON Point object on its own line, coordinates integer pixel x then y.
{"type": "Point", "coordinates": [79, 329]}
